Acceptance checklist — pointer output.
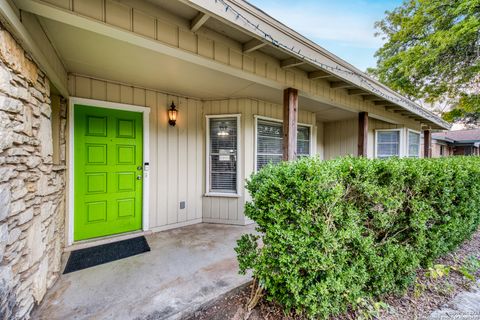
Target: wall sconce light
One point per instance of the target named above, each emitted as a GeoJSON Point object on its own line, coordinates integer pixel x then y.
{"type": "Point", "coordinates": [172, 115]}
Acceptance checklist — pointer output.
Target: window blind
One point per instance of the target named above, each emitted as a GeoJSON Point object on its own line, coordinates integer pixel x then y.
{"type": "Point", "coordinates": [413, 144]}
{"type": "Point", "coordinates": [223, 155]}
{"type": "Point", "coordinates": [270, 142]}
{"type": "Point", "coordinates": [388, 144]}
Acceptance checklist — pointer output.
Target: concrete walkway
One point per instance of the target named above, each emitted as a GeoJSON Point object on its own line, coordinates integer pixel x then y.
{"type": "Point", "coordinates": [466, 305]}
{"type": "Point", "coordinates": [185, 268]}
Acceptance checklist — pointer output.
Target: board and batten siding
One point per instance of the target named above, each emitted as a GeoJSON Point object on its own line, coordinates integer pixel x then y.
{"type": "Point", "coordinates": [340, 138]}
{"type": "Point", "coordinates": [176, 153]}
{"type": "Point", "coordinates": [230, 210]}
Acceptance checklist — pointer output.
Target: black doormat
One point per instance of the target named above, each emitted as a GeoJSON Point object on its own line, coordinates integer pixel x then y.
{"type": "Point", "coordinates": [89, 257]}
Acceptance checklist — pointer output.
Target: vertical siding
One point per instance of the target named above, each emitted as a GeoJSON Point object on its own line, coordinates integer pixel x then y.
{"type": "Point", "coordinates": [175, 152]}
{"type": "Point", "coordinates": [320, 152]}
{"type": "Point", "coordinates": [340, 138]}
{"type": "Point", "coordinates": [215, 208]}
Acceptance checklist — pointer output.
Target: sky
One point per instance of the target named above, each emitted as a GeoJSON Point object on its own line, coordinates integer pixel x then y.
{"type": "Point", "coordinates": [343, 27]}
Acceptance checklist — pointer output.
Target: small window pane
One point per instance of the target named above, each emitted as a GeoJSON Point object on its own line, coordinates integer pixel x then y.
{"type": "Point", "coordinates": [223, 155]}
{"type": "Point", "coordinates": [388, 144]}
{"type": "Point", "coordinates": [413, 144]}
{"type": "Point", "coordinates": [303, 141]}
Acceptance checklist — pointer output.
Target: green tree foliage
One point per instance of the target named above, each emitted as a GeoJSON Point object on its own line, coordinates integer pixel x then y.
{"type": "Point", "coordinates": [332, 234]}
{"type": "Point", "coordinates": [432, 53]}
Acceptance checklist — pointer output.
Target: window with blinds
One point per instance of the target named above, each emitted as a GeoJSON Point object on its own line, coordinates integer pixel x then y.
{"type": "Point", "coordinates": [270, 142]}
{"type": "Point", "coordinates": [223, 134]}
{"type": "Point", "coordinates": [388, 144]}
{"type": "Point", "coordinates": [413, 144]}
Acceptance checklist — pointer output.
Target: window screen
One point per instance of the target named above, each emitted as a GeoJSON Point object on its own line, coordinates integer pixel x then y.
{"type": "Point", "coordinates": [223, 155]}
{"type": "Point", "coordinates": [388, 144]}
{"type": "Point", "coordinates": [270, 142]}
{"type": "Point", "coordinates": [413, 144]}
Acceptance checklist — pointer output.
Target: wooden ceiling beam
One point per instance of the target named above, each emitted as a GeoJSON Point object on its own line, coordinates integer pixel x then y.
{"type": "Point", "coordinates": [198, 21]}
{"type": "Point", "coordinates": [319, 74]}
{"type": "Point", "coordinates": [291, 62]}
{"type": "Point", "coordinates": [253, 45]}
{"type": "Point", "coordinates": [372, 98]}
{"type": "Point", "coordinates": [357, 92]}
{"type": "Point", "coordinates": [340, 85]}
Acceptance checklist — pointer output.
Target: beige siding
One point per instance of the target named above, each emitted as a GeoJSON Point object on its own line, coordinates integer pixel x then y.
{"type": "Point", "coordinates": [175, 152]}
{"type": "Point", "coordinates": [144, 19]}
{"type": "Point", "coordinates": [340, 138]}
{"type": "Point", "coordinates": [230, 210]}
{"type": "Point", "coordinates": [320, 152]}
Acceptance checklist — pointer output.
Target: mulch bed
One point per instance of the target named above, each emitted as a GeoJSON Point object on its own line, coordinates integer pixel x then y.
{"type": "Point", "coordinates": [425, 296]}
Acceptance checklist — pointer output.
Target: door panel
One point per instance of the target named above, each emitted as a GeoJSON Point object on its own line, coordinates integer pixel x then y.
{"type": "Point", "coordinates": [108, 171]}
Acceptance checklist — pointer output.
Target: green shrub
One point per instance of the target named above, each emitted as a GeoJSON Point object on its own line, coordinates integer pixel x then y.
{"type": "Point", "coordinates": [334, 233]}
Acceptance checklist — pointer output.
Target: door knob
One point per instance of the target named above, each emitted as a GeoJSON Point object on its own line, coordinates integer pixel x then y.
{"type": "Point", "coordinates": [139, 177]}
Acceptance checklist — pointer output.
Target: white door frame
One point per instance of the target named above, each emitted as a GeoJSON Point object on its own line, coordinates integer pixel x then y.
{"type": "Point", "coordinates": [71, 168]}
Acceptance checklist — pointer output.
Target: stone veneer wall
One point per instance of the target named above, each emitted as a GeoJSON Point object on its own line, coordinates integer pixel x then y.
{"type": "Point", "coordinates": [32, 196]}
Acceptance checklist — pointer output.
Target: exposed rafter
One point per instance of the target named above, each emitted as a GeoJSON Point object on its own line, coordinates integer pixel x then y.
{"type": "Point", "coordinates": [198, 21]}
{"type": "Point", "coordinates": [291, 62]}
{"type": "Point", "coordinates": [319, 74]}
{"type": "Point", "coordinates": [253, 45]}
{"type": "Point", "coordinates": [357, 92]}
{"type": "Point", "coordinates": [340, 85]}
{"type": "Point", "coordinates": [372, 98]}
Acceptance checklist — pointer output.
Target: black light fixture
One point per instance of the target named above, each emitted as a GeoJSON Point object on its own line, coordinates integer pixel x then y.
{"type": "Point", "coordinates": [172, 115]}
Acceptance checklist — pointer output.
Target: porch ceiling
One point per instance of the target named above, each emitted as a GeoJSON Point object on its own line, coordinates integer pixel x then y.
{"type": "Point", "coordinates": [87, 53]}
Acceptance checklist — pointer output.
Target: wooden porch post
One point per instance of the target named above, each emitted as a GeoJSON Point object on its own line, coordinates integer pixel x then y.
{"type": "Point", "coordinates": [362, 134]}
{"type": "Point", "coordinates": [290, 115]}
{"type": "Point", "coordinates": [427, 143]}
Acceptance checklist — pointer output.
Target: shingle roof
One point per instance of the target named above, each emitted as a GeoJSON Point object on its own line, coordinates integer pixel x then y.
{"type": "Point", "coordinates": [458, 135]}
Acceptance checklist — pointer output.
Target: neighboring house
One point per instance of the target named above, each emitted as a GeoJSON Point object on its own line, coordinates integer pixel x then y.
{"type": "Point", "coordinates": [457, 143]}
{"type": "Point", "coordinates": [86, 148]}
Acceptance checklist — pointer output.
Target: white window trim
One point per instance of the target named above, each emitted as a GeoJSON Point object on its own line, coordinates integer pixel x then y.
{"type": "Point", "coordinates": [258, 117]}
{"type": "Point", "coordinates": [401, 146]}
{"type": "Point", "coordinates": [408, 141]}
{"type": "Point", "coordinates": [71, 157]}
{"type": "Point", "coordinates": [207, 156]}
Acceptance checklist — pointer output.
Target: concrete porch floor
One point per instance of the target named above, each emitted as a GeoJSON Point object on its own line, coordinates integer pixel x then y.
{"type": "Point", "coordinates": [185, 268]}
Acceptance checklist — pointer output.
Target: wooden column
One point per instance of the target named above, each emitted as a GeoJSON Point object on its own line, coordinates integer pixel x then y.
{"type": "Point", "coordinates": [427, 143]}
{"type": "Point", "coordinates": [362, 134]}
{"type": "Point", "coordinates": [290, 115]}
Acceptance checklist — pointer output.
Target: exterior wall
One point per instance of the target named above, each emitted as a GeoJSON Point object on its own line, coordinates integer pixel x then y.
{"type": "Point", "coordinates": [144, 19]}
{"type": "Point", "coordinates": [176, 153]}
{"type": "Point", "coordinates": [230, 210]}
{"type": "Point", "coordinates": [320, 140]}
{"type": "Point", "coordinates": [340, 138]}
{"type": "Point", "coordinates": [32, 198]}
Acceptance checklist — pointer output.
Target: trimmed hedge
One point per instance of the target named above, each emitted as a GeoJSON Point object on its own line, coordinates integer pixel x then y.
{"type": "Point", "coordinates": [337, 232]}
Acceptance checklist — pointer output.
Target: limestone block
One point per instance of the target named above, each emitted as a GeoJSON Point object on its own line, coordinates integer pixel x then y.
{"type": "Point", "coordinates": [19, 193]}
{"type": "Point", "coordinates": [10, 105]}
{"type": "Point", "coordinates": [13, 55]}
{"type": "Point", "coordinates": [35, 245]}
{"type": "Point", "coordinates": [46, 110]}
{"type": "Point", "coordinates": [33, 161]}
{"type": "Point", "coordinates": [46, 210]}
{"type": "Point", "coordinates": [3, 239]}
{"type": "Point", "coordinates": [45, 136]}
{"type": "Point", "coordinates": [17, 207]}
{"type": "Point", "coordinates": [14, 235]}
{"type": "Point", "coordinates": [40, 280]}
{"type": "Point", "coordinates": [7, 173]}
{"type": "Point", "coordinates": [17, 152]}
{"type": "Point", "coordinates": [25, 216]}
{"type": "Point", "coordinates": [27, 120]}
{"type": "Point", "coordinates": [5, 196]}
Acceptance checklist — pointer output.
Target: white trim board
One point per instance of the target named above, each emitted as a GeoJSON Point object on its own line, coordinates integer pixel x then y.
{"type": "Point", "coordinates": [207, 155]}
{"type": "Point", "coordinates": [71, 156]}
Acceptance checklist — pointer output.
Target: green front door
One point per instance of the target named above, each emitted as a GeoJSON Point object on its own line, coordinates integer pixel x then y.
{"type": "Point", "coordinates": [108, 148]}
